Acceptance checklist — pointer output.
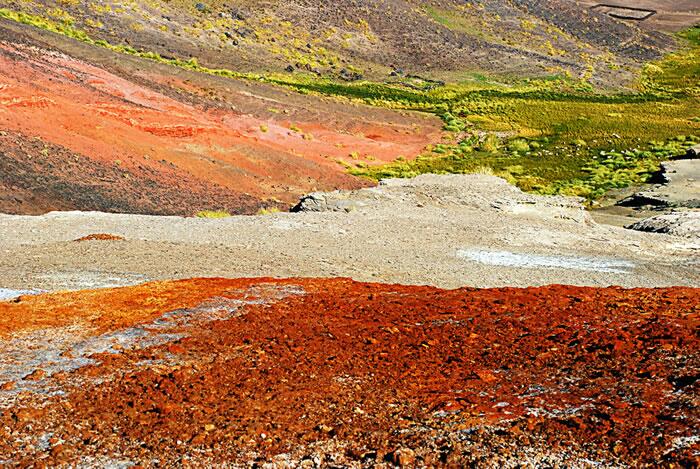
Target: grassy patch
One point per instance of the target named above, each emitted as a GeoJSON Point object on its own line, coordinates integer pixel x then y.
{"type": "Point", "coordinates": [268, 211]}
{"type": "Point", "coordinates": [213, 214]}
{"type": "Point", "coordinates": [581, 171]}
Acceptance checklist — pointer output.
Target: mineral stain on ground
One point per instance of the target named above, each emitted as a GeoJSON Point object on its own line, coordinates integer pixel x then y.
{"type": "Point", "coordinates": [513, 259]}
{"type": "Point", "coordinates": [337, 372]}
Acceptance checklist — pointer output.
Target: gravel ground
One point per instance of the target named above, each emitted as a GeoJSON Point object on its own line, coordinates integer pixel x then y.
{"type": "Point", "coordinates": [447, 231]}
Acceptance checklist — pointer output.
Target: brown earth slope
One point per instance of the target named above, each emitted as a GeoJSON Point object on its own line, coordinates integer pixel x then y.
{"type": "Point", "coordinates": [336, 373]}
{"type": "Point", "coordinates": [89, 129]}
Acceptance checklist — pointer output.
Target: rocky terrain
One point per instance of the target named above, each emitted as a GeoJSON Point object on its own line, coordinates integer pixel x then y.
{"type": "Point", "coordinates": [677, 223]}
{"type": "Point", "coordinates": [670, 205]}
{"type": "Point", "coordinates": [679, 187]}
{"type": "Point", "coordinates": [319, 373]}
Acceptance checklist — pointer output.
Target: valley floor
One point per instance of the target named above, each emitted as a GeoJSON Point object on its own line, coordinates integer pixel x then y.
{"type": "Point", "coordinates": [448, 231]}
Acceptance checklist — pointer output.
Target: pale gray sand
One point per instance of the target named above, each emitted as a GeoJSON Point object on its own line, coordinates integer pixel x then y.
{"type": "Point", "coordinates": [448, 231]}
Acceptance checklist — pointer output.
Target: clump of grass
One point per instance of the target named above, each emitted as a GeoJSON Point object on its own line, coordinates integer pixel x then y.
{"type": "Point", "coordinates": [213, 214]}
{"type": "Point", "coordinates": [452, 123]}
{"type": "Point", "coordinates": [519, 146]}
{"type": "Point", "coordinates": [268, 210]}
{"type": "Point", "coordinates": [490, 144]}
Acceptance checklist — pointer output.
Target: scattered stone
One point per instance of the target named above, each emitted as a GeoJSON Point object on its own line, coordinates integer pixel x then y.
{"type": "Point", "coordinates": [36, 375]}
{"type": "Point", "coordinates": [324, 428]}
{"type": "Point", "coordinates": [348, 75]}
{"type": "Point", "coordinates": [8, 386]}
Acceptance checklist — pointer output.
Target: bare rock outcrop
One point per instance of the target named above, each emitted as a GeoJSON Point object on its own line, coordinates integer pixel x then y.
{"type": "Point", "coordinates": [679, 187]}
{"type": "Point", "coordinates": [478, 192]}
{"type": "Point", "coordinates": [685, 224]}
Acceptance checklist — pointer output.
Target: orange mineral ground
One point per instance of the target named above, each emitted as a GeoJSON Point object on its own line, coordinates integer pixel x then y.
{"type": "Point", "coordinates": [312, 372]}
{"type": "Point", "coordinates": [112, 133]}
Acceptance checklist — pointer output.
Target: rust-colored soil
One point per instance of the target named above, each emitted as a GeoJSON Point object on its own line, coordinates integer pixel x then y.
{"type": "Point", "coordinates": [143, 143]}
{"type": "Point", "coordinates": [336, 372]}
{"type": "Point", "coordinates": [101, 237]}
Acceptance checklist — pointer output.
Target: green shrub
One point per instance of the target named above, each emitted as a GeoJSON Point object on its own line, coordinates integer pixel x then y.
{"type": "Point", "coordinates": [518, 146]}
{"type": "Point", "coordinates": [490, 144]}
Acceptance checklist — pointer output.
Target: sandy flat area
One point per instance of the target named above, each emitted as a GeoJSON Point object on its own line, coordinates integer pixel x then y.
{"type": "Point", "coordinates": [447, 231]}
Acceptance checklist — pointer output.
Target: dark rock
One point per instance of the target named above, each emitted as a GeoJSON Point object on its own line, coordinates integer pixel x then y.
{"type": "Point", "coordinates": [693, 152]}
{"type": "Point", "coordinates": [243, 32]}
{"type": "Point", "coordinates": [347, 75]}
{"type": "Point", "coordinates": [686, 224]}
{"type": "Point", "coordinates": [640, 199]}
{"type": "Point", "coordinates": [680, 382]}
{"type": "Point", "coordinates": [238, 14]}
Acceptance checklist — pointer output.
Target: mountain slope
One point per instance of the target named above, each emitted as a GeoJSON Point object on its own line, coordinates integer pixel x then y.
{"type": "Point", "coordinates": [531, 37]}
{"type": "Point", "coordinates": [85, 128]}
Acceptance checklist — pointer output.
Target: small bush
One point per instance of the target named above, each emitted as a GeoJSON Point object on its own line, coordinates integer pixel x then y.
{"type": "Point", "coordinates": [268, 210]}
{"type": "Point", "coordinates": [518, 146]}
{"type": "Point", "coordinates": [490, 144]}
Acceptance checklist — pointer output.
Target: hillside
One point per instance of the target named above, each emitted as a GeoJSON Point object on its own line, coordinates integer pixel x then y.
{"type": "Point", "coordinates": [181, 107]}
{"type": "Point", "coordinates": [86, 128]}
{"type": "Point", "coordinates": [371, 38]}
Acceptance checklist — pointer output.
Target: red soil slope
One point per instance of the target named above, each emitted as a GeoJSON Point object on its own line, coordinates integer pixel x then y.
{"type": "Point", "coordinates": [158, 137]}
{"type": "Point", "coordinates": [333, 372]}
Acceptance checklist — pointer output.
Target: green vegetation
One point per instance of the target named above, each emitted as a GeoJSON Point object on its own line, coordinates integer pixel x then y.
{"type": "Point", "coordinates": [268, 211]}
{"type": "Point", "coordinates": [213, 214]}
{"type": "Point", "coordinates": [549, 135]}
{"type": "Point", "coordinates": [543, 171]}
{"type": "Point", "coordinates": [618, 169]}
